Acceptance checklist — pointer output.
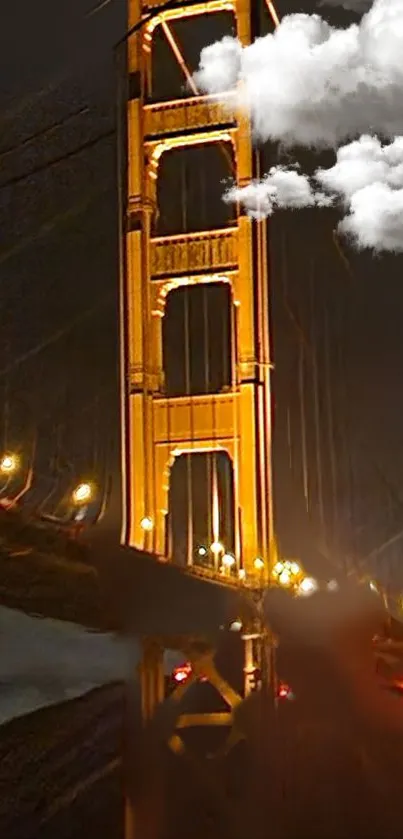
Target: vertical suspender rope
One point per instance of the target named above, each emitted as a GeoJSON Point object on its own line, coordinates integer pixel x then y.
{"type": "Point", "coordinates": [330, 426]}
{"type": "Point", "coordinates": [189, 477]}
{"type": "Point", "coordinates": [188, 455]}
{"type": "Point", "coordinates": [301, 388]}
{"type": "Point", "coordinates": [285, 295]}
{"type": "Point", "coordinates": [215, 499]}
{"type": "Point", "coordinates": [6, 409]}
{"type": "Point", "coordinates": [289, 436]}
{"type": "Point", "coordinates": [226, 370]}
{"type": "Point", "coordinates": [345, 434]}
{"type": "Point", "coordinates": [316, 405]}
{"type": "Point", "coordinates": [210, 536]}
{"type": "Point", "coordinates": [236, 442]}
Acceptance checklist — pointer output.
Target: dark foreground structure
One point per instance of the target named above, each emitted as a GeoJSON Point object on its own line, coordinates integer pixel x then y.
{"type": "Point", "coordinates": [325, 766]}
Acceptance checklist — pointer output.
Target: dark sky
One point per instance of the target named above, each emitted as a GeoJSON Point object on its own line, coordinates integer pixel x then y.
{"type": "Point", "coordinates": [58, 290]}
{"type": "Point", "coordinates": [58, 231]}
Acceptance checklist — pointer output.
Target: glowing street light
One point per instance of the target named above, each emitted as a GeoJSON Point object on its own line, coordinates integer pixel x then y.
{"type": "Point", "coordinates": [8, 464]}
{"type": "Point", "coordinates": [201, 551]}
{"type": "Point", "coordinates": [307, 586]}
{"type": "Point", "coordinates": [242, 574]}
{"type": "Point", "coordinates": [258, 564]}
{"type": "Point", "coordinates": [83, 493]}
{"type": "Point", "coordinates": [146, 524]}
{"type": "Point", "coordinates": [228, 560]}
{"type": "Point", "coordinates": [285, 578]}
{"type": "Point", "coordinates": [217, 548]}
{"type": "Point", "coordinates": [295, 568]}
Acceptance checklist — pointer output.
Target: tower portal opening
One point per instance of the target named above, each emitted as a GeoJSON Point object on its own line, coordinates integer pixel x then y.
{"type": "Point", "coordinates": [201, 527]}
{"type": "Point", "coordinates": [197, 340]}
{"type": "Point", "coordinates": [190, 35]}
{"type": "Point", "coordinates": [191, 184]}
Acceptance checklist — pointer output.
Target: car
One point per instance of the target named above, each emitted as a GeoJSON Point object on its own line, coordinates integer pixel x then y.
{"type": "Point", "coordinates": [183, 672]}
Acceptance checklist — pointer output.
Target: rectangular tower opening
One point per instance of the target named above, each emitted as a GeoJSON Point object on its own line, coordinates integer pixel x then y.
{"type": "Point", "coordinates": [201, 510]}
{"type": "Point", "coordinates": [189, 35]}
{"type": "Point", "coordinates": [191, 182]}
{"type": "Point", "coordinates": [197, 340]}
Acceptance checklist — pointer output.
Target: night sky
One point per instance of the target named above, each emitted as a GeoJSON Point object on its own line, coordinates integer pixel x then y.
{"type": "Point", "coordinates": [58, 294]}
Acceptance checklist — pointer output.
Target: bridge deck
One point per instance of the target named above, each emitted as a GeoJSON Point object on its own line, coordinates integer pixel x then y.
{"type": "Point", "coordinates": [108, 587]}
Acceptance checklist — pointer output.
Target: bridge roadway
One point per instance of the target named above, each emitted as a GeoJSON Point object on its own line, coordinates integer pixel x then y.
{"type": "Point", "coordinates": [328, 773]}
{"type": "Point", "coordinates": [101, 585]}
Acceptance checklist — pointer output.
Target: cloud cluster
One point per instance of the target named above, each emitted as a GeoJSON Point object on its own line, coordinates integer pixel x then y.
{"type": "Point", "coordinates": [366, 181]}
{"type": "Point", "coordinates": [368, 177]}
{"type": "Point", "coordinates": [312, 84]}
{"type": "Point", "coordinates": [282, 188]}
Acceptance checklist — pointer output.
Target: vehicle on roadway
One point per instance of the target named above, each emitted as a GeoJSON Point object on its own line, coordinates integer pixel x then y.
{"type": "Point", "coordinates": [182, 673]}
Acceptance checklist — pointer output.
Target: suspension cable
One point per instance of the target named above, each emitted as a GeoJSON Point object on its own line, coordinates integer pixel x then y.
{"type": "Point", "coordinates": [330, 424]}
{"type": "Point", "coordinates": [301, 386]}
{"type": "Point", "coordinates": [303, 345]}
{"type": "Point", "coordinates": [316, 407]}
{"type": "Point", "coordinates": [189, 464]}
{"type": "Point", "coordinates": [210, 536]}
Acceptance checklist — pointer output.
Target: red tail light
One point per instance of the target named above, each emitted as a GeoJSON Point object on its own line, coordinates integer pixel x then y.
{"type": "Point", "coordinates": [182, 673]}
{"type": "Point", "coordinates": [284, 692]}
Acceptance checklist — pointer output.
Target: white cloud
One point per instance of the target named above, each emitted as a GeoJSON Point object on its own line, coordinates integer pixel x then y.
{"type": "Point", "coordinates": [368, 178]}
{"type": "Point", "coordinates": [376, 218]}
{"type": "Point", "coordinates": [366, 181]}
{"type": "Point", "coordinates": [223, 66]}
{"type": "Point", "coordinates": [363, 163]}
{"type": "Point", "coordinates": [281, 188]}
{"type": "Point", "coordinates": [312, 84]}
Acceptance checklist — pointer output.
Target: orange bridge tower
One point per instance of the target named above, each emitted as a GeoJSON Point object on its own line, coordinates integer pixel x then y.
{"type": "Point", "coordinates": [161, 423]}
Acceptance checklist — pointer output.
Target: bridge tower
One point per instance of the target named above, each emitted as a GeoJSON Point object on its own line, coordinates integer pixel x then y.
{"type": "Point", "coordinates": [158, 427]}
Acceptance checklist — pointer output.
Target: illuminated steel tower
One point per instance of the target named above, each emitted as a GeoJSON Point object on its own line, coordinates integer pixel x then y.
{"type": "Point", "coordinates": [157, 429]}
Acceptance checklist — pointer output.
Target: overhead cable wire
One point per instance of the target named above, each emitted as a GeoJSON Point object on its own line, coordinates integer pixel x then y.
{"type": "Point", "coordinates": [98, 8]}
{"type": "Point", "coordinates": [56, 81]}
{"type": "Point", "coordinates": [38, 135]}
{"type": "Point", "coordinates": [49, 226]}
{"type": "Point", "coordinates": [56, 336]}
{"type": "Point", "coordinates": [55, 161]}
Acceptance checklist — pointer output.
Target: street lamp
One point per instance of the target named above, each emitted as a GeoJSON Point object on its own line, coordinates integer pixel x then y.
{"type": "Point", "coordinates": [146, 524]}
{"type": "Point", "coordinates": [307, 586]}
{"type": "Point", "coordinates": [228, 560]}
{"type": "Point", "coordinates": [217, 548]}
{"type": "Point", "coordinates": [8, 464]}
{"type": "Point", "coordinates": [285, 578]}
{"type": "Point", "coordinates": [258, 564]}
{"type": "Point", "coordinates": [287, 573]}
{"type": "Point", "coordinates": [83, 493]}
